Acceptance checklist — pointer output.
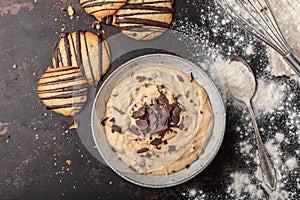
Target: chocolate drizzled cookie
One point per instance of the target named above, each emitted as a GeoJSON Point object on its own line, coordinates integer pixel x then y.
{"type": "Point", "coordinates": [101, 8]}
{"type": "Point", "coordinates": [84, 50]}
{"type": "Point", "coordinates": [142, 19]}
{"type": "Point", "coordinates": [63, 90]}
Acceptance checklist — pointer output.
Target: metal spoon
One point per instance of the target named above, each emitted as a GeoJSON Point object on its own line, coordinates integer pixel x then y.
{"type": "Point", "coordinates": [244, 91]}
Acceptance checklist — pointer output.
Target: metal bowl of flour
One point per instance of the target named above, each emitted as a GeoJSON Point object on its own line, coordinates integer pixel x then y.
{"type": "Point", "coordinates": [164, 61]}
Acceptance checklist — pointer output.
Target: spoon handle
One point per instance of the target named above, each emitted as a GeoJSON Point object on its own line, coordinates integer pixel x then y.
{"type": "Point", "coordinates": [266, 164]}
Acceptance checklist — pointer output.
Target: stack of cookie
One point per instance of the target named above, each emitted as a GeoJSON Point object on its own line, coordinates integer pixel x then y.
{"type": "Point", "coordinates": [138, 19]}
{"type": "Point", "coordinates": [80, 59]}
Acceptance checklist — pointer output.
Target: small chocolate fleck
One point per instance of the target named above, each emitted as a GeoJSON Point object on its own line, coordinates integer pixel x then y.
{"type": "Point", "coordinates": [160, 87]}
{"type": "Point", "coordinates": [143, 150]}
{"type": "Point", "coordinates": [150, 79]}
{"type": "Point", "coordinates": [158, 147]}
{"type": "Point", "coordinates": [116, 128]}
{"type": "Point", "coordinates": [115, 95]}
{"type": "Point", "coordinates": [194, 147]}
{"type": "Point", "coordinates": [177, 97]}
{"type": "Point", "coordinates": [187, 94]}
{"type": "Point", "coordinates": [132, 168]}
{"type": "Point", "coordinates": [119, 111]}
{"type": "Point", "coordinates": [103, 121]}
{"type": "Point", "coordinates": [192, 77]}
{"type": "Point", "coordinates": [187, 166]}
{"type": "Point", "coordinates": [141, 78]}
{"type": "Point", "coordinates": [201, 112]}
{"type": "Point", "coordinates": [180, 78]}
{"type": "Point", "coordinates": [165, 142]}
{"type": "Point", "coordinates": [148, 155]}
{"type": "Point", "coordinates": [156, 142]}
{"type": "Point", "coordinates": [113, 149]}
{"type": "Point", "coordinates": [172, 148]}
{"type": "Point", "coordinates": [113, 120]}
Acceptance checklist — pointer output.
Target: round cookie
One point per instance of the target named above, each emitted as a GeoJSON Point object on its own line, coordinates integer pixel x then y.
{"type": "Point", "coordinates": [84, 50]}
{"type": "Point", "coordinates": [143, 19]}
{"type": "Point", "coordinates": [63, 90]}
{"type": "Point", "coordinates": [101, 8]}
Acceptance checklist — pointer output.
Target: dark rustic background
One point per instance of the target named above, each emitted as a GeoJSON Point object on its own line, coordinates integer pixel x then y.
{"type": "Point", "coordinates": [37, 143]}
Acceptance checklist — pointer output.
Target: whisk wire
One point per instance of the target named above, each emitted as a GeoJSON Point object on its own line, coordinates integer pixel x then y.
{"type": "Point", "coordinates": [259, 20]}
{"type": "Point", "coordinates": [268, 24]}
{"type": "Point", "coordinates": [285, 44]}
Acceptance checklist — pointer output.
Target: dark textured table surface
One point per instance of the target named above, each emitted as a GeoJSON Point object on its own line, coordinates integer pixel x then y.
{"type": "Point", "coordinates": [37, 143]}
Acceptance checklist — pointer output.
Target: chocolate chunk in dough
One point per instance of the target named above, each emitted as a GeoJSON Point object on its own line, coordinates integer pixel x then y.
{"type": "Point", "coordinates": [134, 130]}
{"type": "Point", "coordinates": [192, 77]}
{"type": "Point", "coordinates": [142, 124]}
{"type": "Point", "coordinates": [116, 128]}
{"type": "Point", "coordinates": [162, 100]}
{"type": "Point", "coordinates": [113, 120]}
{"type": "Point", "coordinates": [141, 78]}
{"type": "Point", "coordinates": [143, 150]}
{"type": "Point", "coordinates": [140, 113]}
{"type": "Point", "coordinates": [172, 148]}
{"type": "Point", "coordinates": [175, 114]}
{"type": "Point", "coordinates": [156, 142]}
{"type": "Point", "coordinates": [180, 78]}
{"type": "Point", "coordinates": [103, 121]}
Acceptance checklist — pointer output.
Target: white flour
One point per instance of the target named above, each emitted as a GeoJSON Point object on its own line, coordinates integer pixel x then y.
{"type": "Point", "coordinates": [267, 97]}
{"type": "Point", "coordinates": [274, 103]}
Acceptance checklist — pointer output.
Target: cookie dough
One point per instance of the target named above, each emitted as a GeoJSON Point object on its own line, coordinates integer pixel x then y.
{"type": "Point", "coordinates": [158, 120]}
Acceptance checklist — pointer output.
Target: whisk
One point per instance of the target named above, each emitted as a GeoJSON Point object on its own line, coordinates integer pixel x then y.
{"type": "Point", "coordinates": [256, 16]}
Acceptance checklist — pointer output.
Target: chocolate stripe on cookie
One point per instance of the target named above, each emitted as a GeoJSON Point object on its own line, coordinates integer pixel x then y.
{"type": "Point", "coordinates": [63, 89]}
{"type": "Point", "coordinates": [142, 6]}
{"type": "Point", "coordinates": [147, 22]}
{"type": "Point", "coordinates": [67, 49]}
{"type": "Point", "coordinates": [100, 40]}
{"type": "Point", "coordinates": [93, 3]}
{"type": "Point", "coordinates": [88, 55]}
{"type": "Point", "coordinates": [57, 56]}
{"type": "Point", "coordinates": [65, 80]}
{"type": "Point", "coordinates": [66, 95]}
{"type": "Point", "coordinates": [78, 48]}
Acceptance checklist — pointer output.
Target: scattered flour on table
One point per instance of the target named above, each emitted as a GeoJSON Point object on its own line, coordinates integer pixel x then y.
{"type": "Point", "coordinates": [273, 99]}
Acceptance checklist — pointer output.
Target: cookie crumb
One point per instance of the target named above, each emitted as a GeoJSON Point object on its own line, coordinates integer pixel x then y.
{"type": "Point", "coordinates": [74, 124]}
{"type": "Point", "coordinates": [14, 66]}
{"type": "Point", "coordinates": [69, 162]}
{"type": "Point", "coordinates": [71, 12]}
